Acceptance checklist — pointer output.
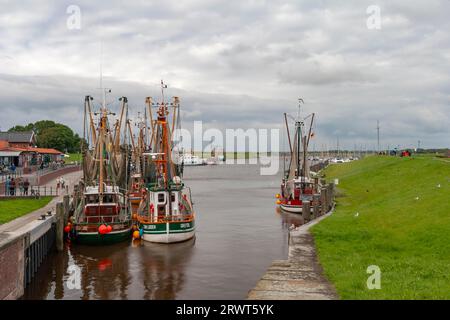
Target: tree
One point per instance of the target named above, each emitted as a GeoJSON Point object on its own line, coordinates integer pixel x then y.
{"type": "Point", "coordinates": [52, 135]}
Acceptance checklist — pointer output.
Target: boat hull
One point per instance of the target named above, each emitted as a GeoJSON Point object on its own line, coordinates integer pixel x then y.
{"type": "Point", "coordinates": [94, 238]}
{"type": "Point", "coordinates": [168, 232]}
{"type": "Point", "coordinates": [293, 208]}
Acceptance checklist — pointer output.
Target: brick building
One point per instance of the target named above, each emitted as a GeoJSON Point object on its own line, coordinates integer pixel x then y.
{"type": "Point", "coordinates": [19, 148]}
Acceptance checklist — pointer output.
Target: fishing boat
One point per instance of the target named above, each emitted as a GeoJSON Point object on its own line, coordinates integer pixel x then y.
{"type": "Point", "coordinates": [297, 185]}
{"type": "Point", "coordinates": [192, 160]}
{"type": "Point", "coordinates": [103, 214]}
{"type": "Point", "coordinates": [166, 212]}
{"type": "Point", "coordinates": [214, 159]}
{"type": "Point", "coordinates": [135, 192]}
{"type": "Point", "coordinates": [139, 147]}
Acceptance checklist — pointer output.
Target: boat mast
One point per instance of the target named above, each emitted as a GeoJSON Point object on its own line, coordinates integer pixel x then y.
{"type": "Point", "coordinates": [298, 125]}
{"type": "Point", "coordinates": [101, 137]}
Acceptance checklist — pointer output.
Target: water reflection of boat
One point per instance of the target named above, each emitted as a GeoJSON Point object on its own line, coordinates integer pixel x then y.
{"type": "Point", "coordinates": [163, 273]}
{"type": "Point", "coordinates": [289, 220]}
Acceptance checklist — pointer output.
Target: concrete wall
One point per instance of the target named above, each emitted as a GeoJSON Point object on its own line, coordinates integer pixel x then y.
{"type": "Point", "coordinates": [12, 266]}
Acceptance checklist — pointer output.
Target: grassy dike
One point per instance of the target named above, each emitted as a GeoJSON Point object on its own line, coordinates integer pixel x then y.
{"type": "Point", "coordinates": [403, 227]}
{"type": "Point", "coordinates": [11, 209]}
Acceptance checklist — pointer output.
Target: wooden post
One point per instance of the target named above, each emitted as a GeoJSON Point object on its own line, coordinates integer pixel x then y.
{"type": "Point", "coordinates": [330, 194]}
{"type": "Point", "coordinates": [323, 201]}
{"type": "Point", "coordinates": [60, 226]}
{"type": "Point", "coordinates": [316, 201]}
{"type": "Point", "coordinates": [66, 200]}
{"type": "Point", "coordinates": [75, 196]}
{"type": "Point", "coordinates": [306, 210]}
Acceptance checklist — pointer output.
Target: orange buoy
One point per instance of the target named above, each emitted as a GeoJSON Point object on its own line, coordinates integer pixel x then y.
{"type": "Point", "coordinates": [278, 201]}
{"type": "Point", "coordinates": [278, 196]}
{"type": "Point", "coordinates": [108, 229]}
{"type": "Point", "coordinates": [102, 229]}
{"type": "Point", "coordinates": [67, 229]}
{"type": "Point", "coordinates": [136, 235]}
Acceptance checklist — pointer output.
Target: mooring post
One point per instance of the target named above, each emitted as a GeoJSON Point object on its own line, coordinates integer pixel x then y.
{"type": "Point", "coordinates": [306, 210]}
{"type": "Point", "coordinates": [316, 201]}
{"type": "Point", "coordinates": [323, 201]}
{"type": "Point", "coordinates": [316, 184]}
{"type": "Point", "coordinates": [75, 196]}
{"type": "Point", "coordinates": [330, 193]}
{"type": "Point", "coordinates": [66, 200]}
{"type": "Point", "coordinates": [60, 226]}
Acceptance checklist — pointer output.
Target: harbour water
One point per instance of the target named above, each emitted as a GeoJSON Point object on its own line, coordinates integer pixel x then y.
{"type": "Point", "coordinates": [239, 234]}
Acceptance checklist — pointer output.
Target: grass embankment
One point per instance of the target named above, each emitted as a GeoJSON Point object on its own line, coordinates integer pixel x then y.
{"type": "Point", "coordinates": [403, 227]}
{"type": "Point", "coordinates": [11, 209]}
{"type": "Point", "coordinates": [73, 157]}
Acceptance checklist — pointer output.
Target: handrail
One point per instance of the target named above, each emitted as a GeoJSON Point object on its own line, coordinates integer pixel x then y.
{"type": "Point", "coordinates": [33, 191]}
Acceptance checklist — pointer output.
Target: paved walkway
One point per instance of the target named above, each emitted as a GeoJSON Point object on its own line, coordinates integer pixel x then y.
{"type": "Point", "coordinates": [70, 178]}
{"type": "Point", "coordinates": [298, 278]}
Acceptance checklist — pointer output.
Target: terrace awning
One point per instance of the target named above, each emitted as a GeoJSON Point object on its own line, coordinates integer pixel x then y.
{"type": "Point", "coordinates": [10, 153]}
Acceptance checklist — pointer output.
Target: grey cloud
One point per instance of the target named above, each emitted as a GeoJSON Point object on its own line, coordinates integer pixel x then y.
{"type": "Point", "coordinates": [238, 63]}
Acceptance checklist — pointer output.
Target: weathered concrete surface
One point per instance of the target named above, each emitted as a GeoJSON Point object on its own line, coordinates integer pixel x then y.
{"type": "Point", "coordinates": [298, 278]}
{"type": "Point", "coordinates": [12, 269]}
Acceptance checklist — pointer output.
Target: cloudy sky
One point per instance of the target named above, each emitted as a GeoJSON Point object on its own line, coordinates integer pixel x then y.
{"type": "Point", "coordinates": [237, 64]}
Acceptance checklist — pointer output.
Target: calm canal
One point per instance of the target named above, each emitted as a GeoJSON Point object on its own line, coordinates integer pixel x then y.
{"type": "Point", "coordinates": [239, 234]}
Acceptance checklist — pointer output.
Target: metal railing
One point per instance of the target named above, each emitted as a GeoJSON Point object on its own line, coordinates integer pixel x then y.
{"type": "Point", "coordinates": [33, 192]}
{"type": "Point", "coordinates": [4, 174]}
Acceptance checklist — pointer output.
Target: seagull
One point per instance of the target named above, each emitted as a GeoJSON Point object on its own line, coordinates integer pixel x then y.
{"type": "Point", "coordinates": [357, 214]}
{"type": "Point", "coordinates": [417, 198]}
{"type": "Point", "coordinates": [439, 185]}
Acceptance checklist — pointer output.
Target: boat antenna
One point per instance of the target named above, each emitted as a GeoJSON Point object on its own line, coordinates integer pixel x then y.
{"type": "Point", "coordinates": [102, 88]}
{"type": "Point", "coordinates": [163, 86]}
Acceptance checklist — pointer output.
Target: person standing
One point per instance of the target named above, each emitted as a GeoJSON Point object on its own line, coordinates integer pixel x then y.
{"type": "Point", "coordinates": [7, 185]}
{"type": "Point", "coordinates": [26, 185]}
{"type": "Point", "coordinates": [20, 182]}
{"type": "Point", "coordinates": [58, 185]}
{"type": "Point", "coordinates": [12, 187]}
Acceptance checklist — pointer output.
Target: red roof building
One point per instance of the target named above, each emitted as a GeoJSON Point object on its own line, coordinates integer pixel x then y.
{"type": "Point", "coordinates": [26, 156]}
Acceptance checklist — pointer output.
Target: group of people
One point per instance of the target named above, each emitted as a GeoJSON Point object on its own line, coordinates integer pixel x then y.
{"type": "Point", "coordinates": [5, 168]}
{"type": "Point", "coordinates": [11, 186]}
{"type": "Point", "coordinates": [60, 183]}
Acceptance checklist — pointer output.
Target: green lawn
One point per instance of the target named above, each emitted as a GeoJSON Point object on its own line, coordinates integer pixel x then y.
{"type": "Point", "coordinates": [73, 157]}
{"type": "Point", "coordinates": [14, 208]}
{"type": "Point", "coordinates": [403, 227]}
